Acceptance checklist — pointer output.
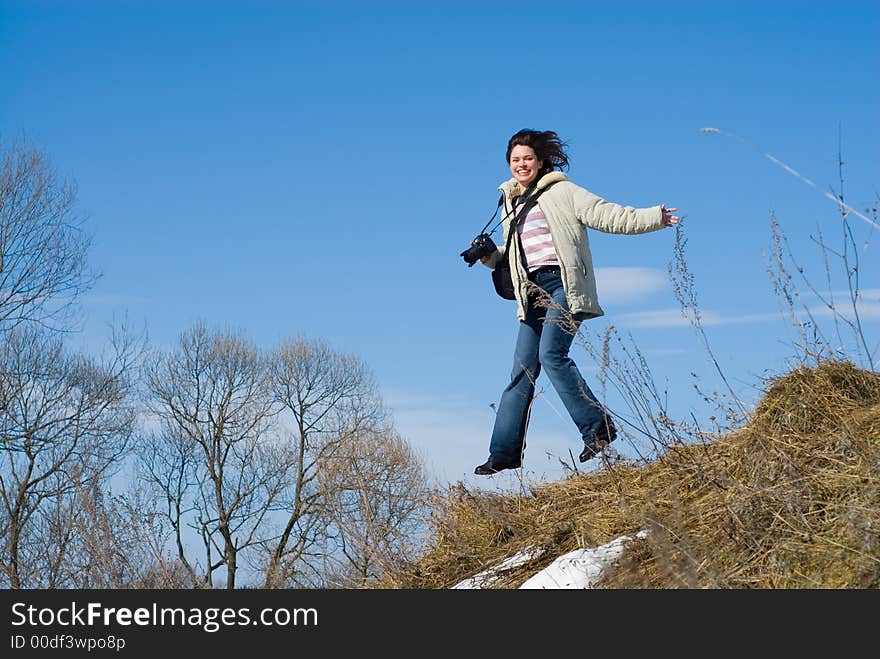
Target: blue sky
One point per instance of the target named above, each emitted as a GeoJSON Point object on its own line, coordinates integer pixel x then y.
{"type": "Point", "coordinates": [314, 169]}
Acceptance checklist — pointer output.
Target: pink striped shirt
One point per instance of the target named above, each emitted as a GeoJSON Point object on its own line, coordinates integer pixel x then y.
{"type": "Point", "coordinates": [536, 241]}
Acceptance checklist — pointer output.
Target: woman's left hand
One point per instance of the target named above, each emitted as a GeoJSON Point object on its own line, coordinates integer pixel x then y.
{"type": "Point", "coordinates": [668, 218]}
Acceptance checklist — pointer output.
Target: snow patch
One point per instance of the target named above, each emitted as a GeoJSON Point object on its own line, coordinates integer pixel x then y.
{"type": "Point", "coordinates": [581, 568]}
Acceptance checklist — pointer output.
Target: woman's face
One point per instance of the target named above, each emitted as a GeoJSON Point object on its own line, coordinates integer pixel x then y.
{"type": "Point", "coordinates": [524, 164]}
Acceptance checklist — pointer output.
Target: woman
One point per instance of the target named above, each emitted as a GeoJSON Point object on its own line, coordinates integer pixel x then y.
{"type": "Point", "coordinates": [555, 288]}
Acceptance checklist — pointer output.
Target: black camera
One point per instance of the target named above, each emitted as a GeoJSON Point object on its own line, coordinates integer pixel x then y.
{"type": "Point", "coordinates": [481, 246]}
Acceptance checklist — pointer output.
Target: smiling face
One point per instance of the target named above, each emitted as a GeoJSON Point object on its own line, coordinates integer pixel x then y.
{"type": "Point", "coordinates": [524, 165]}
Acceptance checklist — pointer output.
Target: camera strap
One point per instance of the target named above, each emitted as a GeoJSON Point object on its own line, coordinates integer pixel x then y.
{"type": "Point", "coordinates": [501, 203]}
{"type": "Point", "coordinates": [494, 215]}
{"type": "Point", "coordinates": [530, 198]}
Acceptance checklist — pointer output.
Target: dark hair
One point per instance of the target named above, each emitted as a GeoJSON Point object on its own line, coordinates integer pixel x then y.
{"type": "Point", "coordinates": [548, 147]}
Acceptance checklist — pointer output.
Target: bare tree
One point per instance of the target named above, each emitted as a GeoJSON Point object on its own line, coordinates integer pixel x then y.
{"type": "Point", "coordinates": [214, 461]}
{"type": "Point", "coordinates": [43, 246]}
{"type": "Point", "coordinates": [377, 506]}
{"type": "Point", "coordinates": [326, 398]}
{"type": "Point", "coordinates": [241, 442]}
{"type": "Point", "coordinates": [167, 464]}
{"type": "Point", "coordinates": [65, 421]}
{"type": "Point", "coordinates": [121, 542]}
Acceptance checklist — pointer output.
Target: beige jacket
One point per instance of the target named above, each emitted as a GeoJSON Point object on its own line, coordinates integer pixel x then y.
{"type": "Point", "coordinates": [570, 210]}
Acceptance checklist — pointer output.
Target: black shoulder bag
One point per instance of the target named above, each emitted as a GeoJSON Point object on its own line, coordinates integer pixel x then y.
{"type": "Point", "coordinates": [501, 277]}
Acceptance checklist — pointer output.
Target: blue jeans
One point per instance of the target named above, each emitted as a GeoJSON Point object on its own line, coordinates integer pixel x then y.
{"type": "Point", "coordinates": [544, 339]}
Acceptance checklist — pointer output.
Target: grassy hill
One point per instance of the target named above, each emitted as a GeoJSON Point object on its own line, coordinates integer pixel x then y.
{"type": "Point", "coordinates": [789, 500]}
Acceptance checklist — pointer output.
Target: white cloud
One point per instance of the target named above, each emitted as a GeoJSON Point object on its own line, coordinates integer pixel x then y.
{"type": "Point", "coordinates": [675, 318]}
{"type": "Point", "coordinates": [628, 284]}
{"type": "Point", "coordinates": [816, 302]}
{"type": "Point", "coordinates": [872, 294]}
{"type": "Point", "coordinates": [843, 296]}
{"type": "Point", "coordinates": [867, 310]}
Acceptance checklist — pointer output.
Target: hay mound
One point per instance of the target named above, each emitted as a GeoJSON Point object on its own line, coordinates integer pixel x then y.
{"type": "Point", "coordinates": [812, 400]}
{"type": "Point", "coordinates": [791, 500]}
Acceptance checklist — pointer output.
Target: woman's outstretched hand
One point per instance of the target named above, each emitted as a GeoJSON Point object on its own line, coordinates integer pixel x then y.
{"type": "Point", "coordinates": [668, 218]}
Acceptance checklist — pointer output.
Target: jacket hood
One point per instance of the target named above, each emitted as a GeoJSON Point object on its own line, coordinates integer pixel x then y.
{"type": "Point", "coordinates": [512, 187]}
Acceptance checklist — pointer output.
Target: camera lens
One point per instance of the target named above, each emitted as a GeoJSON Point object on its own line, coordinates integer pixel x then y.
{"type": "Point", "coordinates": [482, 246]}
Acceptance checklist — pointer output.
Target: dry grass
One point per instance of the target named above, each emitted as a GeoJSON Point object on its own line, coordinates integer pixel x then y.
{"type": "Point", "coordinates": [789, 500]}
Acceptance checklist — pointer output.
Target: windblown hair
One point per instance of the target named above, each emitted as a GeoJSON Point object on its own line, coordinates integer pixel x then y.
{"type": "Point", "coordinates": [548, 147]}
